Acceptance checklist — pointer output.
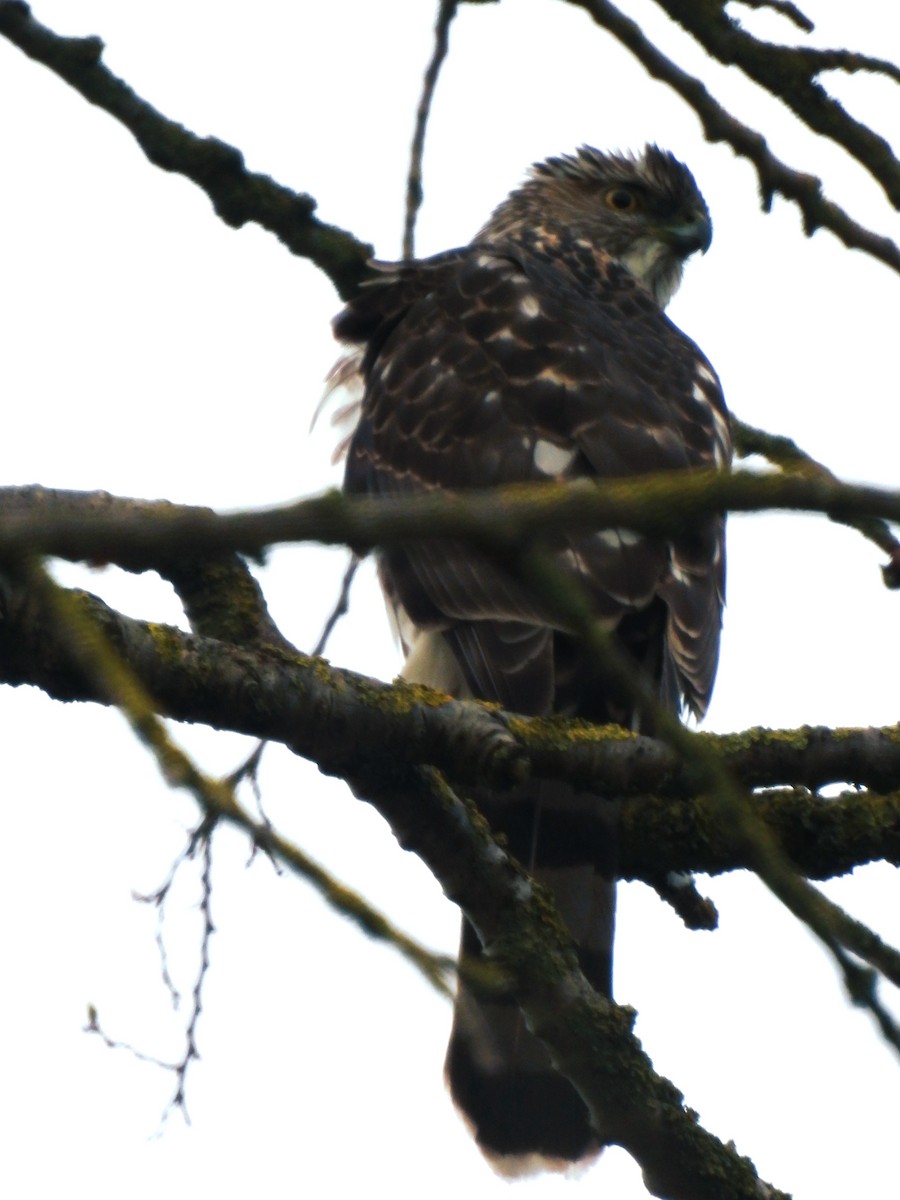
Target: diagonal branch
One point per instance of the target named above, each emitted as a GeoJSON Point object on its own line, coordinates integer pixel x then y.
{"type": "Point", "coordinates": [790, 73]}
{"type": "Point", "coordinates": [663, 504]}
{"type": "Point", "coordinates": [590, 1038]}
{"type": "Point", "coordinates": [237, 195]}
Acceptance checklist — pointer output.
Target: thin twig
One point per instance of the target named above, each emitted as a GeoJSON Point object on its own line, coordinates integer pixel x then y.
{"type": "Point", "coordinates": [786, 9]}
{"type": "Point", "coordinates": [414, 191]}
{"type": "Point", "coordinates": [341, 608]}
{"type": "Point", "coordinates": [93, 1025]}
{"type": "Point", "coordinates": [94, 656]}
{"type": "Point", "coordinates": [784, 452]}
{"type": "Point", "coordinates": [191, 1053]}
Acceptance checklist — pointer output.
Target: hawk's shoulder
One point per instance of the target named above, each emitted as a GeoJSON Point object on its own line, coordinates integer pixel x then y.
{"type": "Point", "coordinates": [520, 360]}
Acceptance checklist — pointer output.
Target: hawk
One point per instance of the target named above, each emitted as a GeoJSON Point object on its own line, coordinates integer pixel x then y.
{"type": "Point", "coordinates": [540, 351]}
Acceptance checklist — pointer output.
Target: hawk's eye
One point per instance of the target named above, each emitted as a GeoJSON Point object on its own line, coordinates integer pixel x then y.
{"type": "Point", "coordinates": [621, 199]}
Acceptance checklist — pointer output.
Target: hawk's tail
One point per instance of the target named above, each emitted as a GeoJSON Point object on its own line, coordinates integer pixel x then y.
{"type": "Point", "coordinates": [525, 1116]}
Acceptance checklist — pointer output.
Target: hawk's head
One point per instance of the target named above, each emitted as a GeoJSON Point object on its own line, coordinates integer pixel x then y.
{"type": "Point", "coordinates": [646, 212]}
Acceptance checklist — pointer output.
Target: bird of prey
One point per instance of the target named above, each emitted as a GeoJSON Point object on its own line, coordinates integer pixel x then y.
{"type": "Point", "coordinates": [540, 351]}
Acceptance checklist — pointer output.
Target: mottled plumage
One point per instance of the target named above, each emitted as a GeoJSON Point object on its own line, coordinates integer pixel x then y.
{"type": "Point", "coordinates": [541, 351]}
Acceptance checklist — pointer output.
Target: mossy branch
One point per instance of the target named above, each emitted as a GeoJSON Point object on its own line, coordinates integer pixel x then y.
{"type": "Point", "coordinates": [822, 837]}
{"type": "Point", "coordinates": [660, 505]}
{"type": "Point", "coordinates": [590, 1039]}
{"type": "Point", "coordinates": [309, 707]}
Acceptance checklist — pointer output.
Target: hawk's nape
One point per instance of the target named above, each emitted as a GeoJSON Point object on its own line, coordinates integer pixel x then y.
{"type": "Point", "coordinates": [541, 351]}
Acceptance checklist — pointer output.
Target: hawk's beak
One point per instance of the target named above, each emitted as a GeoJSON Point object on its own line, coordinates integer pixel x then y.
{"type": "Point", "coordinates": [691, 235]}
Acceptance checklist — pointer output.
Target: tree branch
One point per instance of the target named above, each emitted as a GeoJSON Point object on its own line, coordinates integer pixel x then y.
{"type": "Point", "coordinates": [786, 9]}
{"type": "Point", "coordinates": [785, 453]}
{"type": "Point", "coordinates": [823, 838]}
{"type": "Point", "coordinates": [837, 931]}
{"type": "Point", "coordinates": [659, 505]}
{"type": "Point", "coordinates": [310, 707]}
{"type": "Point", "coordinates": [414, 193]}
{"type": "Point", "coordinates": [237, 195]}
{"type": "Point", "coordinates": [590, 1038]}
{"type": "Point", "coordinates": [790, 74]}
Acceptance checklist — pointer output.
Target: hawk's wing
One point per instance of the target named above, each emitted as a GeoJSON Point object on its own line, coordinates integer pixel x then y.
{"type": "Point", "coordinates": [493, 365]}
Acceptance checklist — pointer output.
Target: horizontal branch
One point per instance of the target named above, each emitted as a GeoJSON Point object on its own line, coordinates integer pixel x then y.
{"type": "Point", "coordinates": [664, 504]}
{"type": "Point", "coordinates": [606, 758]}
{"type": "Point", "coordinates": [323, 714]}
{"type": "Point", "coordinates": [822, 837]}
{"type": "Point", "coordinates": [237, 195]}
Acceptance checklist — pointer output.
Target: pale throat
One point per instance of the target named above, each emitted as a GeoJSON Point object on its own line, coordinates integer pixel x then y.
{"type": "Point", "coordinates": [653, 264]}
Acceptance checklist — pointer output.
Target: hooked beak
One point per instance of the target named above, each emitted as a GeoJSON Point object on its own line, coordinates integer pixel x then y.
{"type": "Point", "coordinates": [691, 235]}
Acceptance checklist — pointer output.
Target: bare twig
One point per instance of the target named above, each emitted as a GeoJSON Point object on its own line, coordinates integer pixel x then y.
{"type": "Point", "coordinates": [191, 1053]}
{"type": "Point", "coordinates": [84, 641]}
{"type": "Point", "coordinates": [414, 192]}
{"type": "Point", "coordinates": [93, 1026]}
{"type": "Point", "coordinates": [199, 839]}
{"type": "Point", "coordinates": [341, 608]}
{"type": "Point", "coordinates": [785, 453]}
{"type": "Point", "coordinates": [158, 900]}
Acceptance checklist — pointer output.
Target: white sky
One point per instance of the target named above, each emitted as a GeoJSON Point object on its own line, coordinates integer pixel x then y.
{"type": "Point", "coordinates": [151, 351]}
